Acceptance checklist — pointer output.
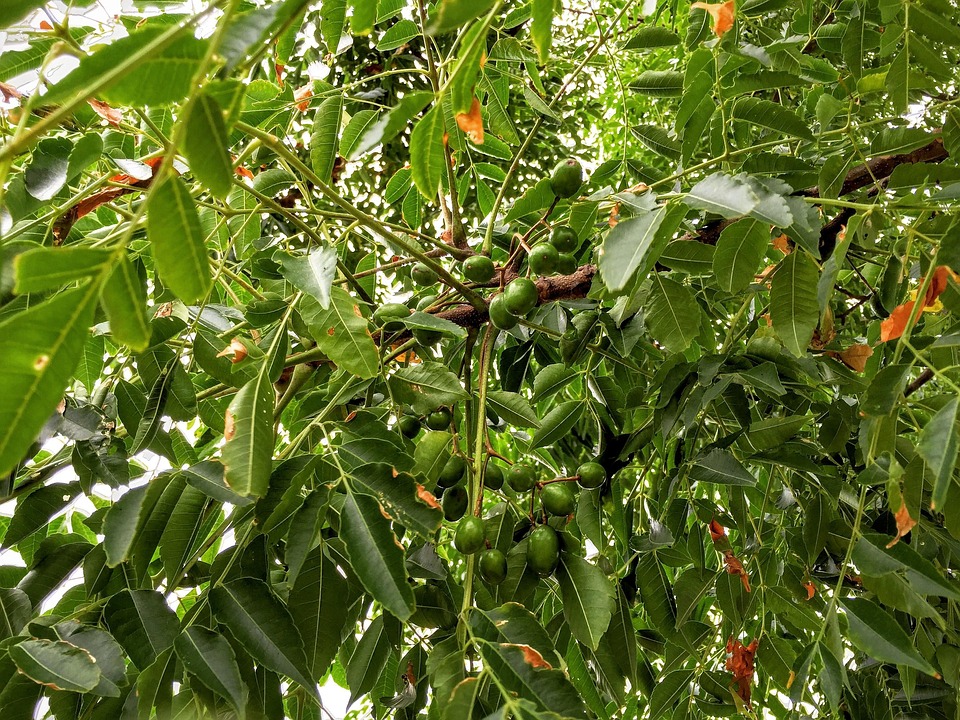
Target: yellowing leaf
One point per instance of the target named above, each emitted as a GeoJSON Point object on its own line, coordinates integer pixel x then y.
{"type": "Point", "coordinates": [722, 14]}
{"type": "Point", "coordinates": [472, 123]}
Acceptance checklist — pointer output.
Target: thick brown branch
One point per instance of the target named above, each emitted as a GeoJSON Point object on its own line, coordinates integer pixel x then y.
{"type": "Point", "coordinates": [882, 167]}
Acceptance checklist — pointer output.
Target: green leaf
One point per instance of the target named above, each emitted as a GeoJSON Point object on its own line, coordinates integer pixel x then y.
{"type": "Point", "coordinates": [368, 659]}
{"type": "Point", "coordinates": [207, 655]}
{"type": "Point", "coordinates": [658, 140]}
{"type": "Point", "coordinates": [40, 269]}
{"type": "Point", "coordinates": [551, 379]}
{"type": "Point", "coordinates": [463, 78]}
{"type": "Point", "coordinates": [182, 532]}
{"type": "Point", "coordinates": [774, 431]}
{"type": "Point", "coordinates": [15, 612]}
{"type": "Point", "coordinates": [342, 333]}
{"type": "Point", "coordinates": [363, 17]}
{"type": "Point", "coordinates": [121, 523]}
{"type": "Point", "coordinates": [425, 321]}
{"type": "Point", "coordinates": [520, 669]}
{"type": "Point", "coordinates": [659, 83]}
{"type": "Point", "coordinates": [37, 509]}
{"type": "Point", "coordinates": [207, 477]}
{"type": "Point", "coordinates": [16, 10]}
{"type": "Point", "coordinates": [771, 115]}
{"type": "Point", "coordinates": [431, 453]}
{"type": "Point", "coordinates": [40, 348]}
{"type": "Point", "coordinates": [793, 301]}
{"type": "Point", "coordinates": [625, 247]}
{"type": "Point", "coordinates": [318, 605]}
{"type": "Point", "coordinates": [534, 199]}
{"type": "Point", "coordinates": [247, 454]}
{"type": "Point", "coordinates": [513, 408]}
{"type": "Point", "coordinates": [880, 636]}
{"type": "Point", "coordinates": [333, 15]}
{"type": "Point", "coordinates": [588, 598]}
{"type": "Point", "coordinates": [161, 78]}
{"type": "Point", "coordinates": [48, 170]}
{"type": "Point", "coordinates": [312, 273]}
{"type": "Point", "coordinates": [451, 14]}
{"type": "Point", "coordinates": [384, 128]}
{"type": "Point", "coordinates": [263, 626]}
{"type": "Point", "coordinates": [56, 664]}
{"type": "Point", "coordinates": [557, 423]}
{"type": "Point", "coordinates": [740, 250]}
{"type": "Point", "coordinates": [375, 554]}
{"type": "Point", "coordinates": [142, 623]}
{"type": "Point", "coordinates": [670, 691]}
{"type": "Point", "coordinates": [400, 495]}
{"type": "Point", "coordinates": [541, 27]}
{"type": "Point", "coordinates": [724, 195]}
{"type": "Point", "coordinates": [938, 448]}
{"type": "Point", "coordinates": [105, 651]}
{"type": "Point", "coordinates": [722, 468]}
{"type": "Point", "coordinates": [205, 145]}
{"type": "Point", "coordinates": [426, 152]}
{"type": "Point", "coordinates": [652, 36]}
{"type": "Point", "coordinates": [672, 314]}
{"type": "Point", "coordinates": [124, 299]}
{"type": "Point", "coordinates": [689, 257]}
{"type": "Point", "coordinates": [432, 382]}
{"type": "Point", "coordinates": [173, 227]}
{"type": "Point", "coordinates": [323, 140]}
{"type": "Point", "coordinates": [398, 35]}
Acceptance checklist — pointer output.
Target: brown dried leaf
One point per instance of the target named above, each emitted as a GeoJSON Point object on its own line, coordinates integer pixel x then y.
{"type": "Point", "coordinates": [111, 115]}
{"type": "Point", "coordinates": [855, 357]}
{"type": "Point", "coordinates": [533, 658]}
{"type": "Point", "coordinates": [905, 524]}
{"type": "Point", "coordinates": [427, 497]}
{"type": "Point", "coordinates": [236, 351]}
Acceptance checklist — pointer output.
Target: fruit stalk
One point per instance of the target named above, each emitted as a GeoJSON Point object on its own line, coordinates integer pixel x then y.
{"type": "Point", "coordinates": [475, 479]}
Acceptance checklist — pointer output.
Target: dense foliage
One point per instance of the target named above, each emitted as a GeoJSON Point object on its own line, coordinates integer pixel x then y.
{"type": "Point", "coordinates": [488, 359]}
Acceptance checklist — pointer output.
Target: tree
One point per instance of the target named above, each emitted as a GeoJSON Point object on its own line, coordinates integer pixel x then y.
{"type": "Point", "coordinates": [489, 359]}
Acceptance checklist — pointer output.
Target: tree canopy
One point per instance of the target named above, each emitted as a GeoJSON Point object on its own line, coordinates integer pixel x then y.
{"type": "Point", "coordinates": [486, 358]}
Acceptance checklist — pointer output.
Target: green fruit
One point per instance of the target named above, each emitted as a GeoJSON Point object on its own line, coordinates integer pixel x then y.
{"type": "Point", "coordinates": [409, 426]}
{"type": "Point", "coordinates": [501, 318]}
{"type": "Point", "coordinates": [558, 498]}
{"type": "Point", "coordinates": [389, 315]}
{"type": "Point", "coordinates": [543, 550]}
{"type": "Point", "coordinates": [521, 296]}
{"type": "Point", "coordinates": [567, 178]}
{"type": "Point", "coordinates": [427, 337]}
{"type": "Point", "coordinates": [423, 275]}
{"type": "Point", "coordinates": [564, 239]}
{"type": "Point", "coordinates": [521, 478]}
{"type": "Point", "coordinates": [591, 475]}
{"type": "Point", "coordinates": [454, 502]}
{"type": "Point", "coordinates": [478, 268]}
{"type": "Point", "coordinates": [453, 471]}
{"type": "Point", "coordinates": [543, 259]}
{"type": "Point", "coordinates": [471, 535]}
{"type": "Point", "coordinates": [493, 566]}
{"type": "Point", "coordinates": [439, 419]}
{"type": "Point", "coordinates": [493, 477]}
{"type": "Point", "coordinates": [426, 301]}
{"type": "Point", "coordinates": [566, 264]}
